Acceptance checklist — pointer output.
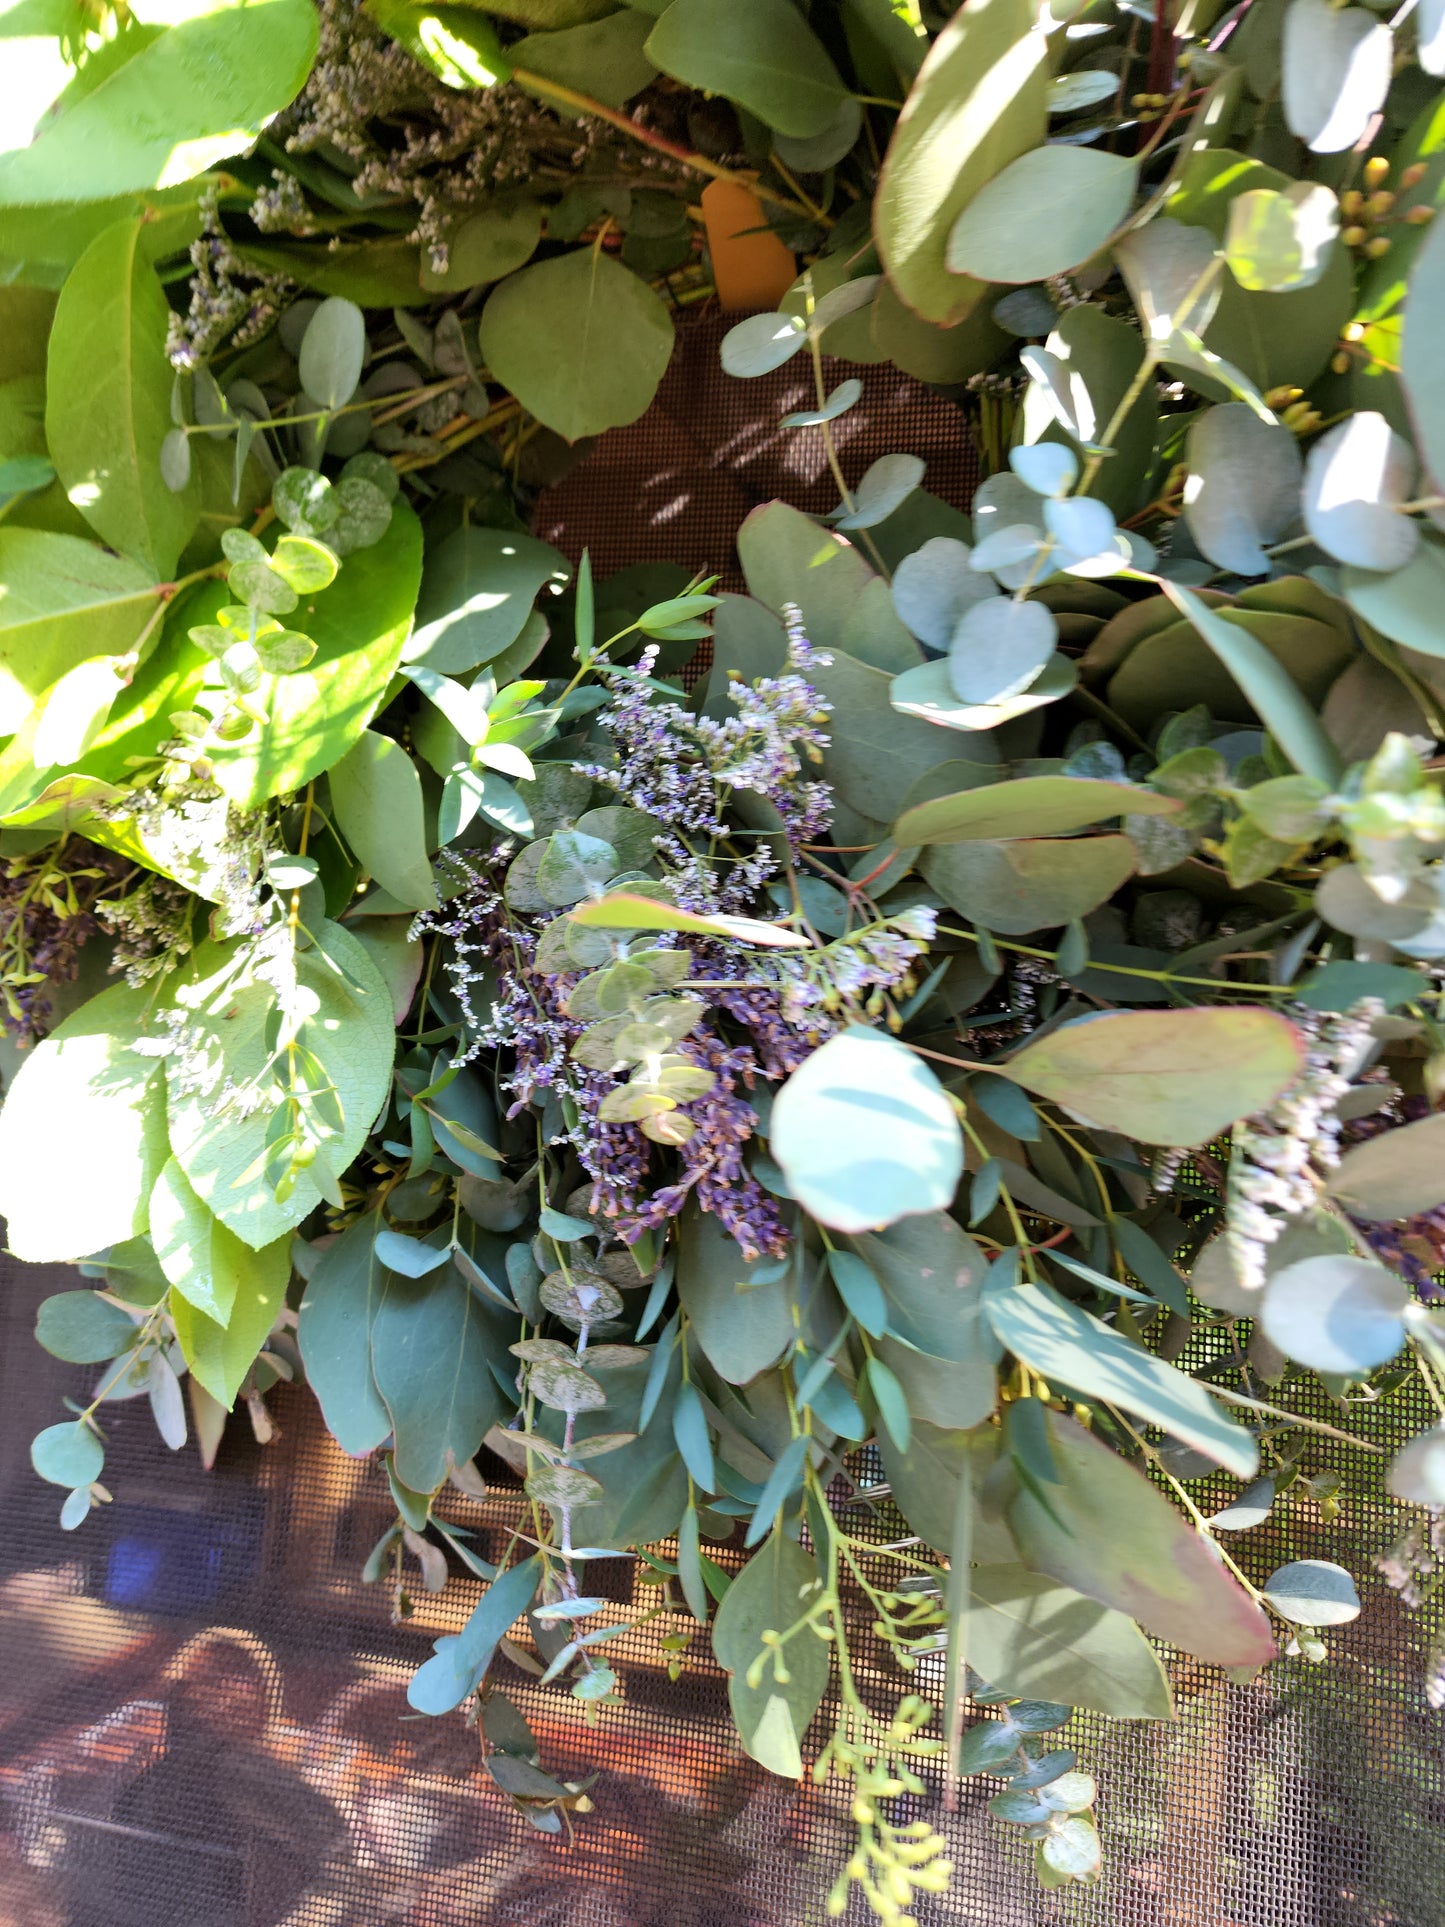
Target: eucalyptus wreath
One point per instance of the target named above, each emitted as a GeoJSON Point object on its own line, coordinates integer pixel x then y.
{"type": "Point", "coordinates": [856, 1095]}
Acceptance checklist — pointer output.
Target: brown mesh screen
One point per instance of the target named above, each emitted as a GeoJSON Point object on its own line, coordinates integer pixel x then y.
{"type": "Point", "coordinates": [203, 1724]}
{"type": "Point", "coordinates": [674, 486]}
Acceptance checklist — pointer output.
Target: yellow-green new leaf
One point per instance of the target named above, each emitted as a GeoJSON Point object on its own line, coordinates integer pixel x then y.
{"type": "Point", "coordinates": [66, 601]}
{"type": "Point", "coordinates": [1029, 806]}
{"type": "Point", "coordinates": [220, 1354]}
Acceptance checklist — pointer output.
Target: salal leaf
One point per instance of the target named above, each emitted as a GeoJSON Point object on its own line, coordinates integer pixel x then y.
{"type": "Point", "coordinates": [1357, 477]}
{"type": "Point", "coordinates": [1395, 1175]}
{"type": "Point", "coordinates": [221, 1352]}
{"type": "Point", "coordinates": [865, 1133]}
{"type": "Point", "coordinates": [83, 1101]}
{"type": "Point", "coordinates": [979, 101]}
{"type": "Point", "coordinates": [108, 402]}
{"type": "Point", "coordinates": [66, 602]}
{"type": "Point", "coordinates": [1165, 1077]}
{"type": "Point", "coordinates": [194, 1250]}
{"type": "Point", "coordinates": [1030, 1636]}
{"type": "Point", "coordinates": [1046, 212]}
{"type": "Point", "coordinates": [460, 1661]}
{"type": "Point", "coordinates": [1243, 489]}
{"type": "Point", "coordinates": [1103, 1528]}
{"type": "Point", "coordinates": [351, 1034]}
{"type": "Point", "coordinates": [1069, 1346]}
{"type": "Point", "coordinates": [761, 54]}
{"type": "Point", "coordinates": [168, 104]}
{"type": "Point", "coordinates": [1028, 806]}
{"type": "Point", "coordinates": [1336, 72]}
{"type": "Point", "coordinates": [1336, 1314]}
{"type": "Point", "coordinates": [771, 1593]}
{"type": "Point", "coordinates": [315, 714]}
{"type": "Point", "coordinates": [334, 1334]}
{"type": "Point", "coordinates": [376, 795]}
{"type": "Point", "coordinates": [579, 340]}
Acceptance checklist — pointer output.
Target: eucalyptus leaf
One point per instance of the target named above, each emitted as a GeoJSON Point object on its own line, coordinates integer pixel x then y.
{"type": "Point", "coordinates": [760, 54]}
{"type": "Point", "coordinates": [1336, 1314]}
{"type": "Point", "coordinates": [999, 237]}
{"type": "Point", "coordinates": [1313, 1592]}
{"type": "Point", "coordinates": [1337, 67]}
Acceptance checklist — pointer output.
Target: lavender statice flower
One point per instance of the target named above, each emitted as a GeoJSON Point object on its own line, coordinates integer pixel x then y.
{"type": "Point", "coordinates": [661, 765]}
{"type": "Point", "coordinates": [713, 1170]}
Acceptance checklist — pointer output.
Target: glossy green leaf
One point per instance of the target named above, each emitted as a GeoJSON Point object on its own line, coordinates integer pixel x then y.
{"type": "Point", "coordinates": [1166, 1077]}
{"type": "Point", "coordinates": [579, 340]}
{"type": "Point", "coordinates": [770, 1594]}
{"type": "Point", "coordinates": [168, 105]}
{"type": "Point", "coordinates": [376, 794]}
{"type": "Point", "coordinates": [760, 54]}
{"type": "Point", "coordinates": [83, 1100]}
{"type": "Point", "coordinates": [1108, 1532]}
{"type": "Point", "coordinates": [198, 1255]}
{"type": "Point", "coordinates": [220, 1354]}
{"type": "Point", "coordinates": [979, 102]}
{"type": "Point", "coordinates": [865, 1133]}
{"type": "Point", "coordinates": [108, 402]}
{"type": "Point", "coordinates": [477, 592]}
{"type": "Point", "coordinates": [1067, 1346]}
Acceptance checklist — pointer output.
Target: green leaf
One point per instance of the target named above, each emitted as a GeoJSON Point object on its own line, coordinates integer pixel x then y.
{"type": "Point", "coordinates": [430, 1341]}
{"type": "Point", "coordinates": [68, 1455]}
{"type": "Point", "coordinates": [83, 1101]}
{"type": "Point", "coordinates": [762, 343]}
{"type": "Point", "coordinates": [195, 1251]}
{"type": "Point", "coordinates": [1313, 1592]}
{"type": "Point", "coordinates": [1336, 1314]}
{"type": "Point", "coordinates": [1029, 884]}
{"type": "Point", "coordinates": [1109, 1533]}
{"type": "Point", "coordinates": [742, 1326]}
{"type": "Point", "coordinates": [1244, 486]}
{"type": "Point", "coordinates": [376, 795]}
{"type": "Point", "coordinates": [461, 1660]}
{"type": "Point", "coordinates": [892, 1402]}
{"type": "Point", "coordinates": [411, 1257]}
{"type": "Point", "coordinates": [351, 1034]}
{"type": "Point", "coordinates": [1067, 1346]}
{"type": "Point", "coordinates": [978, 103]}
{"type": "Point", "coordinates": [83, 1328]}
{"type": "Point", "coordinates": [579, 340]}
{"type": "Point", "coordinates": [770, 1594]}
{"type": "Point", "coordinates": [845, 607]}
{"type": "Point", "coordinates": [221, 1354]}
{"type": "Point", "coordinates": [865, 1133]}
{"type": "Point", "coordinates": [1336, 71]}
{"type": "Point", "coordinates": [621, 910]}
{"type": "Point", "coordinates": [334, 1334]}
{"type": "Point", "coordinates": [167, 104]}
{"type": "Point", "coordinates": [66, 602]}
{"type": "Point", "coordinates": [689, 1428]}
{"type": "Point", "coordinates": [883, 487]}
{"type": "Point", "coordinates": [1396, 1175]}
{"type": "Point", "coordinates": [108, 402]}
{"type": "Point", "coordinates": [602, 58]}
{"type": "Point", "coordinates": [332, 352]}
{"type": "Point", "coordinates": [1028, 806]}
{"type": "Point", "coordinates": [1174, 1077]}
{"type": "Point", "coordinates": [939, 1345]}
{"type": "Point", "coordinates": [860, 1291]}
{"type": "Point", "coordinates": [760, 54]}
{"type": "Point", "coordinates": [1277, 241]}
{"type": "Point", "coordinates": [689, 1566]}
{"type": "Point", "coordinates": [1027, 1635]}
{"type": "Point", "coordinates": [492, 240]}
{"type": "Point", "coordinates": [316, 714]}
{"type": "Point", "coordinates": [1420, 370]}
{"type": "Point", "coordinates": [1046, 212]}
{"type": "Point", "coordinates": [1403, 604]}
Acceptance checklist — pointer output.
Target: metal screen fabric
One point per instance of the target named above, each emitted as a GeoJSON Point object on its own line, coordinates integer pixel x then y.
{"type": "Point", "coordinates": [202, 1708]}
{"type": "Point", "coordinates": [203, 1724]}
